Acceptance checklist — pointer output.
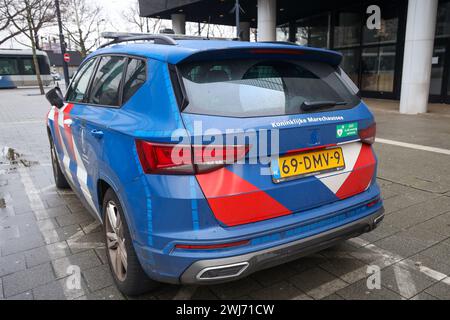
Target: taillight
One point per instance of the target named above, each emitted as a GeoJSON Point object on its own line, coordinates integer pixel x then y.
{"type": "Point", "coordinates": [158, 158]}
{"type": "Point", "coordinates": [368, 134]}
{"type": "Point", "coordinates": [211, 157]}
{"type": "Point", "coordinates": [183, 159]}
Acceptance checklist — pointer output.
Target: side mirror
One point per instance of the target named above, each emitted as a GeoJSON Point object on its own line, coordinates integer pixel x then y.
{"type": "Point", "coordinates": [55, 97]}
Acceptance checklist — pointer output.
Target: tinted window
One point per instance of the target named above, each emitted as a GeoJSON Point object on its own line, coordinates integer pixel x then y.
{"type": "Point", "coordinates": [249, 88]}
{"type": "Point", "coordinates": [9, 66]}
{"type": "Point", "coordinates": [19, 65]}
{"type": "Point", "coordinates": [106, 84]}
{"type": "Point", "coordinates": [44, 65]}
{"type": "Point", "coordinates": [134, 78]}
{"type": "Point", "coordinates": [28, 66]}
{"type": "Point", "coordinates": [78, 88]}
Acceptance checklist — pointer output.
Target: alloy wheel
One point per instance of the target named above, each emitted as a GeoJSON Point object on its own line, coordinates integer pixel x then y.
{"type": "Point", "coordinates": [116, 241]}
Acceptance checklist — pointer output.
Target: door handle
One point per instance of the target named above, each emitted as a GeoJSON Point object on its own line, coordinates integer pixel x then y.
{"type": "Point", "coordinates": [68, 122]}
{"type": "Point", "coordinates": [97, 133]}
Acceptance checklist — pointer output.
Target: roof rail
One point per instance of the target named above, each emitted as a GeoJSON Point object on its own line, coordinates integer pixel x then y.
{"type": "Point", "coordinates": [118, 37]}
{"type": "Point", "coordinates": [167, 39]}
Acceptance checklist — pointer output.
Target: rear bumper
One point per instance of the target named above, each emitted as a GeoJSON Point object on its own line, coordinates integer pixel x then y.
{"type": "Point", "coordinates": [235, 267]}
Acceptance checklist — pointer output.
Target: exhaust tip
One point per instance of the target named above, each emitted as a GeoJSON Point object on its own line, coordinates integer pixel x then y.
{"type": "Point", "coordinates": [222, 272]}
{"type": "Point", "coordinates": [377, 221]}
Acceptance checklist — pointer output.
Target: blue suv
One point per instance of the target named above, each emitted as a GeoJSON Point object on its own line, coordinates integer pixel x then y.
{"type": "Point", "coordinates": [208, 160]}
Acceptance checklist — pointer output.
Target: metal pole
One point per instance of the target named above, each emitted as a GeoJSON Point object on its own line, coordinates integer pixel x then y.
{"type": "Point", "coordinates": [62, 44]}
{"type": "Point", "coordinates": [238, 29]}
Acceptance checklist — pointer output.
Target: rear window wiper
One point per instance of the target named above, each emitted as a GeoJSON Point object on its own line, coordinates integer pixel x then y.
{"type": "Point", "coordinates": [315, 105]}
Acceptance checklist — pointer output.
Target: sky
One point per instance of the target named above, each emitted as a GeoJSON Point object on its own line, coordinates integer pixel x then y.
{"type": "Point", "coordinates": [114, 21]}
{"type": "Point", "coordinates": [112, 10]}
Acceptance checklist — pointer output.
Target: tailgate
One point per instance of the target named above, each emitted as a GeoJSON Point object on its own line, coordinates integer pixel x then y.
{"type": "Point", "coordinates": [248, 192]}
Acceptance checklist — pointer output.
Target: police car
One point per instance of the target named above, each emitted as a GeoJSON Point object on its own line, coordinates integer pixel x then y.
{"type": "Point", "coordinates": [142, 136]}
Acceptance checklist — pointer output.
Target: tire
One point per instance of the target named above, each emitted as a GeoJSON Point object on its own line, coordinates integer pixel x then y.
{"type": "Point", "coordinates": [60, 179]}
{"type": "Point", "coordinates": [130, 278]}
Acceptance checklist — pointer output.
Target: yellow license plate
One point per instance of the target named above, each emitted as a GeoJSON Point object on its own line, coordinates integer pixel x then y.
{"type": "Point", "coordinates": [308, 163]}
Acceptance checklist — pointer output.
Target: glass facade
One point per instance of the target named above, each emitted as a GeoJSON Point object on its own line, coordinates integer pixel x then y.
{"type": "Point", "coordinates": [347, 27]}
{"type": "Point", "coordinates": [378, 69]}
{"type": "Point", "coordinates": [314, 32]}
{"type": "Point", "coordinates": [350, 63]}
{"type": "Point", "coordinates": [443, 20]}
{"type": "Point", "coordinates": [369, 55]}
{"type": "Point", "coordinates": [373, 57]}
{"type": "Point", "coordinates": [440, 65]}
{"type": "Point", "coordinates": [437, 69]}
{"type": "Point", "coordinates": [388, 27]}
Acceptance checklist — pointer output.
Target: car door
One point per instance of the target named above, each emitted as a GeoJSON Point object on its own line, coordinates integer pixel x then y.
{"type": "Point", "coordinates": [92, 121]}
{"type": "Point", "coordinates": [68, 128]}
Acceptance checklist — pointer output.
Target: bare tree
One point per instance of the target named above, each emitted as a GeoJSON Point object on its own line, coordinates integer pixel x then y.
{"type": "Point", "coordinates": [131, 16]}
{"type": "Point", "coordinates": [7, 28]}
{"type": "Point", "coordinates": [153, 25]}
{"type": "Point", "coordinates": [82, 20]}
{"type": "Point", "coordinates": [207, 29]}
{"type": "Point", "coordinates": [195, 29]}
{"type": "Point", "coordinates": [29, 17]}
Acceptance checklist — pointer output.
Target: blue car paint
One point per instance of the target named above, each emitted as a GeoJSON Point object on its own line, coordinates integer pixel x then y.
{"type": "Point", "coordinates": [163, 210]}
{"type": "Point", "coordinates": [191, 49]}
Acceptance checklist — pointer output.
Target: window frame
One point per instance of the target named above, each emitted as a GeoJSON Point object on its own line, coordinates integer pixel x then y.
{"type": "Point", "coordinates": [89, 81]}
{"type": "Point", "coordinates": [129, 57]}
{"type": "Point", "coordinates": [96, 64]}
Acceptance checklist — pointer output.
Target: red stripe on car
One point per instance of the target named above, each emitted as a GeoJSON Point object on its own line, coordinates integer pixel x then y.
{"type": "Point", "coordinates": [235, 201]}
{"type": "Point", "coordinates": [56, 127]}
{"type": "Point", "coordinates": [68, 131]}
{"type": "Point", "coordinates": [361, 176]}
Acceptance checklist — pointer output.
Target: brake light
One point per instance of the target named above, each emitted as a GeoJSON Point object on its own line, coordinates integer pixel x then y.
{"type": "Point", "coordinates": [182, 159]}
{"type": "Point", "coordinates": [368, 134]}
{"type": "Point", "coordinates": [158, 158]}
{"type": "Point", "coordinates": [277, 51]}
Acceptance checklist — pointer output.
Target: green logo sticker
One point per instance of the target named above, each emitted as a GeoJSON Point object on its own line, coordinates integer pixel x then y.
{"type": "Point", "coordinates": [347, 130]}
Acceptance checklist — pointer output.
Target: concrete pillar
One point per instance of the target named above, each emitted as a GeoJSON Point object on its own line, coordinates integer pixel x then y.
{"type": "Point", "coordinates": [245, 30]}
{"type": "Point", "coordinates": [267, 16]}
{"type": "Point", "coordinates": [419, 41]}
{"type": "Point", "coordinates": [179, 23]}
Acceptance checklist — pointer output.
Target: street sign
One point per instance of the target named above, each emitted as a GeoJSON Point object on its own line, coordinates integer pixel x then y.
{"type": "Point", "coordinates": [67, 57]}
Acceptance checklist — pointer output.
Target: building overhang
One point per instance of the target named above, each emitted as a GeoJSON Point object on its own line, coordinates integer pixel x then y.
{"type": "Point", "coordinates": [220, 11]}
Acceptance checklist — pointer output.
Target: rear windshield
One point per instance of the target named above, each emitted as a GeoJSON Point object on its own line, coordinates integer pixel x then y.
{"type": "Point", "coordinates": [249, 88]}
